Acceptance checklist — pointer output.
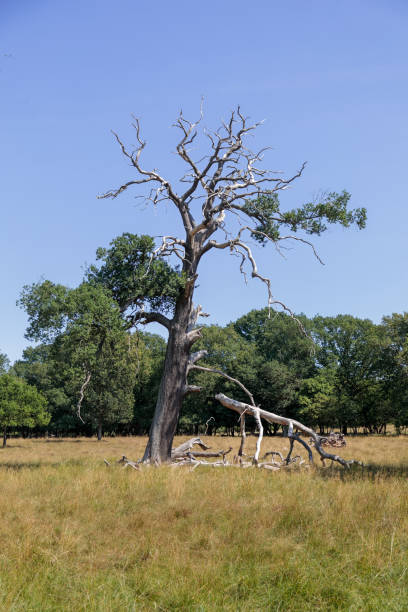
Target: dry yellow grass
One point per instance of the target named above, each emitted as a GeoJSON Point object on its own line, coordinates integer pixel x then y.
{"type": "Point", "coordinates": [77, 535]}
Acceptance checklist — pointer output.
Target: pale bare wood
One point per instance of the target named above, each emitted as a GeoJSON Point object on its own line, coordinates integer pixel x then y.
{"type": "Point", "coordinates": [260, 436]}
{"type": "Point", "coordinates": [128, 463]}
{"type": "Point", "coordinates": [187, 446]}
{"type": "Point", "coordinates": [270, 417]}
{"type": "Point", "coordinates": [272, 453]}
{"type": "Point", "coordinates": [220, 453]}
{"type": "Point", "coordinates": [243, 435]}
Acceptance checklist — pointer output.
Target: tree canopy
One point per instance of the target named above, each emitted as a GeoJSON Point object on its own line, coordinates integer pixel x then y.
{"type": "Point", "coordinates": [88, 339]}
{"type": "Point", "coordinates": [21, 405]}
{"type": "Point", "coordinates": [354, 374]}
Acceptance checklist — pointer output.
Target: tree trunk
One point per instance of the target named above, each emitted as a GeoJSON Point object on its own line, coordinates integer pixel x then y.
{"type": "Point", "coordinates": [5, 437]}
{"type": "Point", "coordinates": [173, 386]}
{"type": "Point", "coordinates": [99, 431]}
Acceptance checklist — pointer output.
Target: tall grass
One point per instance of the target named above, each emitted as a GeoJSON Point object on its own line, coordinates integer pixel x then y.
{"type": "Point", "coordinates": [77, 535]}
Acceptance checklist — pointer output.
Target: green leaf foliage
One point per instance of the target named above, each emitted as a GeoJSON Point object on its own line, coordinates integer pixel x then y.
{"type": "Point", "coordinates": [358, 352]}
{"type": "Point", "coordinates": [396, 327]}
{"type": "Point", "coordinates": [87, 336]}
{"type": "Point", "coordinates": [311, 218]}
{"type": "Point", "coordinates": [21, 405]}
{"type": "Point", "coordinates": [229, 352]}
{"type": "Point", "coordinates": [40, 368]}
{"type": "Point", "coordinates": [278, 337]}
{"type": "Point", "coordinates": [317, 400]}
{"type": "Point", "coordinates": [133, 277]}
{"type": "Point", "coordinates": [150, 354]}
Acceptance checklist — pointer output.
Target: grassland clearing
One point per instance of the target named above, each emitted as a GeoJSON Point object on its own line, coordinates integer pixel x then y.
{"type": "Point", "coordinates": [78, 535]}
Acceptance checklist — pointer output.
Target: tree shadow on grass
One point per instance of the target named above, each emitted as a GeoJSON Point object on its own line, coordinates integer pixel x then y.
{"type": "Point", "coordinates": [369, 471]}
{"type": "Point", "coordinates": [59, 441]}
{"type": "Point", "coordinates": [16, 467]}
{"type": "Point", "coordinates": [33, 465]}
{"type": "Point", "coordinates": [6, 448]}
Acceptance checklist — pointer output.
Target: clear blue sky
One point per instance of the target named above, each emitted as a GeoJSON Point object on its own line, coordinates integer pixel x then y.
{"type": "Point", "coordinates": [329, 78]}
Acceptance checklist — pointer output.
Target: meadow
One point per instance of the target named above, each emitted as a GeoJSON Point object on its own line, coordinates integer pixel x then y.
{"type": "Point", "coordinates": [78, 535]}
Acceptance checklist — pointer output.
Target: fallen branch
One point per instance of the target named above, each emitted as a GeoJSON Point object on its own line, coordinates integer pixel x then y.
{"type": "Point", "coordinates": [220, 453]}
{"type": "Point", "coordinates": [181, 450]}
{"type": "Point", "coordinates": [292, 424]}
{"type": "Point", "coordinates": [128, 463]}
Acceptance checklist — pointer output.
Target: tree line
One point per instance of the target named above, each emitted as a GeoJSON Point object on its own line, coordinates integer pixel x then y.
{"type": "Point", "coordinates": [97, 375]}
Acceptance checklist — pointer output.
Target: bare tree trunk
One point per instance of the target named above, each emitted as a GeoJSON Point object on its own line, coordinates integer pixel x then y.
{"type": "Point", "coordinates": [173, 386]}
{"type": "Point", "coordinates": [169, 402]}
{"type": "Point", "coordinates": [5, 437]}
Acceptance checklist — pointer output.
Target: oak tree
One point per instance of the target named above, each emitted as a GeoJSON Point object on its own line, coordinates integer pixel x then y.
{"type": "Point", "coordinates": [224, 198]}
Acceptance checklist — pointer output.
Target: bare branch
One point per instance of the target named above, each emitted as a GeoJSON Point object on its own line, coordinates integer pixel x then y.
{"type": "Point", "coordinates": [270, 417]}
{"type": "Point", "coordinates": [148, 176]}
{"type": "Point", "coordinates": [307, 242]}
{"type": "Point", "coordinates": [150, 317]}
{"type": "Point", "coordinates": [196, 356]}
{"type": "Point", "coordinates": [243, 434]}
{"type": "Point", "coordinates": [221, 373]}
{"type": "Point", "coordinates": [231, 172]}
{"type": "Point", "coordinates": [207, 424]}
{"type": "Point", "coordinates": [192, 389]}
{"type": "Point", "coordinates": [82, 394]}
{"type": "Point", "coordinates": [244, 251]}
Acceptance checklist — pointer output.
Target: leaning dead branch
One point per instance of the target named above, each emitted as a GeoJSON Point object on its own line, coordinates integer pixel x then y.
{"type": "Point", "coordinates": [292, 425]}
{"type": "Point", "coordinates": [185, 455]}
{"type": "Point", "coordinates": [241, 386]}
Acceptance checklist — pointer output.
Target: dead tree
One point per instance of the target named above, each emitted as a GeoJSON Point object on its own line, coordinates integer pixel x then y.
{"type": "Point", "coordinates": [229, 197]}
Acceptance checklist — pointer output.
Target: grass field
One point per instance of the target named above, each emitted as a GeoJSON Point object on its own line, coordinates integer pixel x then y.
{"type": "Point", "coordinates": [78, 535]}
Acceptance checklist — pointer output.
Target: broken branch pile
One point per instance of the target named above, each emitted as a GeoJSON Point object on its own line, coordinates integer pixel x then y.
{"type": "Point", "coordinates": [186, 455]}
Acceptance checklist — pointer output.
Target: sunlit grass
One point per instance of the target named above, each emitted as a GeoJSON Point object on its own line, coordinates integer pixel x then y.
{"type": "Point", "coordinates": [78, 535]}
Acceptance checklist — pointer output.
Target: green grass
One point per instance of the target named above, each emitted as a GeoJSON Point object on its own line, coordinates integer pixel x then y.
{"type": "Point", "coordinates": [77, 535]}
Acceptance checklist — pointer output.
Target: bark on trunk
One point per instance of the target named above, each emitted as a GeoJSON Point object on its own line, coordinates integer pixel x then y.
{"type": "Point", "coordinates": [4, 438]}
{"type": "Point", "coordinates": [173, 386]}
{"type": "Point", "coordinates": [99, 432]}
